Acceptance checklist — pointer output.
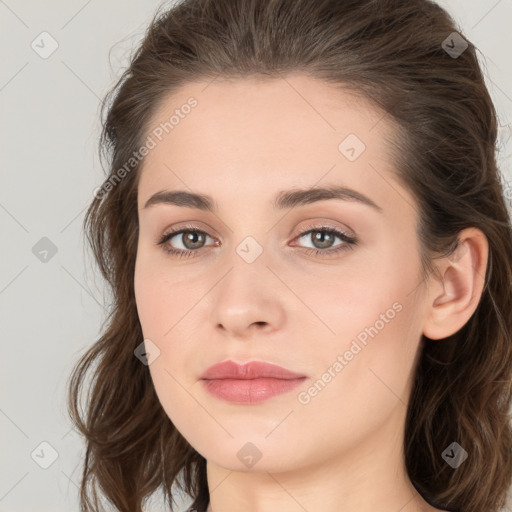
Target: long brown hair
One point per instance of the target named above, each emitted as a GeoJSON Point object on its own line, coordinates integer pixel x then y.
{"type": "Point", "coordinates": [396, 54]}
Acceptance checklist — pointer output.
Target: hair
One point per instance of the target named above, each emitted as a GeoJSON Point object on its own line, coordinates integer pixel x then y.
{"type": "Point", "coordinates": [444, 147]}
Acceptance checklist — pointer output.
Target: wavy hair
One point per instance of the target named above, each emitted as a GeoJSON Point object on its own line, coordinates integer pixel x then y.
{"type": "Point", "coordinates": [393, 53]}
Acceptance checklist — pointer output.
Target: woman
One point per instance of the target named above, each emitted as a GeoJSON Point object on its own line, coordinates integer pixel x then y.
{"type": "Point", "coordinates": [305, 232]}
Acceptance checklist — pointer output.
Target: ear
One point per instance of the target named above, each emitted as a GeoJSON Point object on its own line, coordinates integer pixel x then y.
{"type": "Point", "coordinates": [453, 295]}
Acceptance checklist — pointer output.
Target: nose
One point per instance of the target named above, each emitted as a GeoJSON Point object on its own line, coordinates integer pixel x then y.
{"type": "Point", "coordinates": [245, 301]}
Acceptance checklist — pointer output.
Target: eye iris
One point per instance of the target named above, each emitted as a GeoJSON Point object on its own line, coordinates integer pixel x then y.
{"type": "Point", "coordinates": [194, 238]}
{"type": "Point", "coordinates": [320, 237]}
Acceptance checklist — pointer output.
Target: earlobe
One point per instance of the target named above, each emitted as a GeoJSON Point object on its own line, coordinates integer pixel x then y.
{"type": "Point", "coordinates": [454, 296]}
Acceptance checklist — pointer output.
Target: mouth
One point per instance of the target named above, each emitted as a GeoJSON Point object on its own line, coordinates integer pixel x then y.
{"type": "Point", "coordinates": [250, 391]}
{"type": "Point", "coordinates": [249, 383]}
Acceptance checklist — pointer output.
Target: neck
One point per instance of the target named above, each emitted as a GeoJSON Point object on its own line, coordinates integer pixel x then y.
{"type": "Point", "coordinates": [366, 478]}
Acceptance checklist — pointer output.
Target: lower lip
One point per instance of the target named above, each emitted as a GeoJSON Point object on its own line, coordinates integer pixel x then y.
{"type": "Point", "coordinates": [250, 391]}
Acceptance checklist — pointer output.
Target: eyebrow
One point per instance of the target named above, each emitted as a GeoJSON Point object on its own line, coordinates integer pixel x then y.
{"type": "Point", "coordinates": [284, 199]}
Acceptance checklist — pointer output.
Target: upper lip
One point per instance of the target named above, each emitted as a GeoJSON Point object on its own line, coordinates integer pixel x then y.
{"type": "Point", "coordinates": [250, 370]}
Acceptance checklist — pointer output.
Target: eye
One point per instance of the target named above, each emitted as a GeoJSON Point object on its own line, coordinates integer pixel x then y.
{"type": "Point", "coordinates": [189, 237]}
{"type": "Point", "coordinates": [322, 238]}
{"type": "Point", "coordinates": [192, 239]}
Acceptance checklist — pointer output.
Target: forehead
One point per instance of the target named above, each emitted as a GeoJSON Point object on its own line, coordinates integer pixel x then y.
{"type": "Point", "coordinates": [248, 136]}
{"type": "Point", "coordinates": [287, 109]}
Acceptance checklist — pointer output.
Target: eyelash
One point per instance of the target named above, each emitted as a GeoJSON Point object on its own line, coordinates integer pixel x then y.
{"type": "Point", "coordinates": [349, 241]}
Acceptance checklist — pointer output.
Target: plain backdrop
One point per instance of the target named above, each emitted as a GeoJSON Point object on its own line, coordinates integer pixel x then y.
{"type": "Point", "coordinates": [50, 295]}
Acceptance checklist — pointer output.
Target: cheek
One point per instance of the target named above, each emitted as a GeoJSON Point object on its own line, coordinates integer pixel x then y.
{"type": "Point", "coordinates": [161, 304]}
{"type": "Point", "coordinates": [346, 303]}
{"type": "Point", "coordinates": [376, 321]}
{"type": "Point", "coordinates": [161, 298]}
{"type": "Point", "coordinates": [364, 375]}
{"type": "Point", "coordinates": [168, 305]}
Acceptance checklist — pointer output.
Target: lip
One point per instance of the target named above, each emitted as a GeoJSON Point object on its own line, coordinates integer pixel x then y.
{"type": "Point", "coordinates": [249, 383]}
{"type": "Point", "coordinates": [250, 370]}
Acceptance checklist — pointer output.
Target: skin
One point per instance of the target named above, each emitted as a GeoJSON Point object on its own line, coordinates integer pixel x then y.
{"type": "Point", "coordinates": [245, 141]}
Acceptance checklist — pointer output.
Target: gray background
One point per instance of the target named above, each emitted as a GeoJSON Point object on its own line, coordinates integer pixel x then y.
{"type": "Point", "coordinates": [52, 310]}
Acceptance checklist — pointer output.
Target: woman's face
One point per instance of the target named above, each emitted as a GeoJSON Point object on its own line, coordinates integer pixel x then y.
{"type": "Point", "coordinates": [260, 278]}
